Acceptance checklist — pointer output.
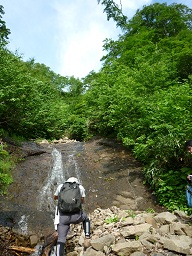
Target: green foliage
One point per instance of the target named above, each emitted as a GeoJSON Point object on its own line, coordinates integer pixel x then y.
{"type": "Point", "coordinates": [137, 237]}
{"type": "Point", "coordinates": [131, 213]}
{"type": "Point", "coordinates": [112, 219]}
{"type": "Point", "coordinates": [142, 96]}
{"type": "Point", "coordinates": [77, 128]}
{"type": "Point", "coordinates": [165, 20]}
{"type": "Point", "coordinates": [114, 11]}
{"type": "Point", "coordinates": [31, 104]}
{"type": "Point", "coordinates": [6, 165]}
{"type": "Point", "coordinates": [170, 188]}
{"type": "Point", "coordinates": [150, 210]}
{"type": "Point", "coordinates": [4, 31]}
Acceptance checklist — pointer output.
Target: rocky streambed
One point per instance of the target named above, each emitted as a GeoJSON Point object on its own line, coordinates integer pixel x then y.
{"type": "Point", "coordinates": [107, 170]}
{"type": "Point", "coordinates": [126, 232]}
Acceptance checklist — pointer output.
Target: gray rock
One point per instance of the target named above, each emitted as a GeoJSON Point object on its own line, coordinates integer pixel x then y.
{"type": "Point", "coordinates": [181, 229]}
{"type": "Point", "coordinates": [157, 254]}
{"type": "Point", "coordinates": [165, 218]}
{"type": "Point", "coordinates": [160, 235]}
{"type": "Point", "coordinates": [180, 246]}
{"type": "Point", "coordinates": [137, 230]}
{"type": "Point", "coordinates": [127, 248]}
{"type": "Point", "coordinates": [98, 244]}
{"type": "Point", "coordinates": [33, 240]}
{"type": "Point", "coordinates": [92, 252]}
{"type": "Point", "coordinates": [137, 254]}
{"type": "Point", "coordinates": [164, 229]}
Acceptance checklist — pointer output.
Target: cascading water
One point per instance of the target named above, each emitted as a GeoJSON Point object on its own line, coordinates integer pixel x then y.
{"type": "Point", "coordinates": [58, 174]}
{"type": "Point", "coordinates": [71, 167]}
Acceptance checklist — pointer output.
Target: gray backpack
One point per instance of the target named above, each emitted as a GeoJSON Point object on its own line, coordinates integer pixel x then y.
{"type": "Point", "coordinates": [69, 198]}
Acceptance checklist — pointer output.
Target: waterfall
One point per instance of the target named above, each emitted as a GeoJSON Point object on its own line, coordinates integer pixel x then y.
{"type": "Point", "coordinates": [59, 172]}
{"type": "Point", "coordinates": [55, 177]}
{"type": "Point", "coordinates": [71, 167]}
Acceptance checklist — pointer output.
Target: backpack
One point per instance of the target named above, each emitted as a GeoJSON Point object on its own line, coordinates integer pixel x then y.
{"type": "Point", "coordinates": [69, 198]}
{"type": "Point", "coordinates": [189, 195]}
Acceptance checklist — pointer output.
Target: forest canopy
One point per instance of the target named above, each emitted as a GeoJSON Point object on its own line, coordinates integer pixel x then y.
{"type": "Point", "coordinates": [141, 96]}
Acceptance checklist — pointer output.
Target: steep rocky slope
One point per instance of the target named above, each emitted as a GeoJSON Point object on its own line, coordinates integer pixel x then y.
{"type": "Point", "coordinates": [114, 183]}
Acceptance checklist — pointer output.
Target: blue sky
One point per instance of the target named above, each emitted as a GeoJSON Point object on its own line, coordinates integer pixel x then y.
{"type": "Point", "coordinates": [65, 35]}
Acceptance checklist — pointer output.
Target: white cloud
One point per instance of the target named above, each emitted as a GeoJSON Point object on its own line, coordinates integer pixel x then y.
{"type": "Point", "coordinates": [83, 27]}
{"type": "Point", "coordinates": [83, 51]}
{"type": "Point", "coordinates": [67, 36]}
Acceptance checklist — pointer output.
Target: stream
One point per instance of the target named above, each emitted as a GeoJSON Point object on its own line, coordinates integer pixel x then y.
{"type": "Point", "coordinates": [107, 170]}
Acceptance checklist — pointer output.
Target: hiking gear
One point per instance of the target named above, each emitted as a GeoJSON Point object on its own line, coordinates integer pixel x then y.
{"type": "Point", "coordinates": [73, 179]}
{"type": "Point", "coordinates": [189, 195]}
{"type": "Point", "coordinates": [86, 227]}
{"type": "Point", "coordinates": [56, 220]}
{"type": "Point", "coordinates": [60, 249]}
{"type": "Point", "coordinates": [65, 221]}
{"type": "Point", "coordinates": [62, 232]}
{"type": "Point", "coordinates": [69, 198]}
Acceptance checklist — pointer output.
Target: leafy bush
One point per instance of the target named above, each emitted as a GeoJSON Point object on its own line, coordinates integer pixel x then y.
{"type": "Point", "coordinates": [77, 128]}
{"type": "Point", "coordinates": [170, 189]}
{"type": "Point", "coordinates": [6, 164]}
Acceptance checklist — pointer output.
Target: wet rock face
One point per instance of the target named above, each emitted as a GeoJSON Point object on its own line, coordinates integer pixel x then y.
{"type": "Point", "coordinates": [107, 170]}
{"type": "Point", "coordinates": [115, 178]}
{"type": "Point", "coordinates": [24, 149]}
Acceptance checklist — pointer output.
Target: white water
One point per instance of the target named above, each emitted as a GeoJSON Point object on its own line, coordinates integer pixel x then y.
{"type": "Point", "coordinates": [71, 167]}
{"type": "Point", "coordinates": [23, 226]}
{"type": "Point", "coordinates": [59, 172]}
{"type": "Point", "coordinates": [55, 176]}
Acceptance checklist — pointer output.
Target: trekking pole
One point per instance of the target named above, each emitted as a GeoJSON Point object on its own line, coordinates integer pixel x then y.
{"type": "Point", "coordinates": [56, 220]}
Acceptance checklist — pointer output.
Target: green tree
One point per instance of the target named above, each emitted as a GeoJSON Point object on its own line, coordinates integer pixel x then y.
{"type": "Point", "coordinates": [73, 86]}
{"type": "Point", "coordinates": [4, 31]}
{"type": "Point", "coordinates": [146, 29]}
{"type": "Point", "coordinates": [114, 12]}
{"type": "Point", "coordinates": [165, 20]}
{"type": "Point", "coordinates": [142, 94]}
{"type": "Point", "coordinates": [30, 99]}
